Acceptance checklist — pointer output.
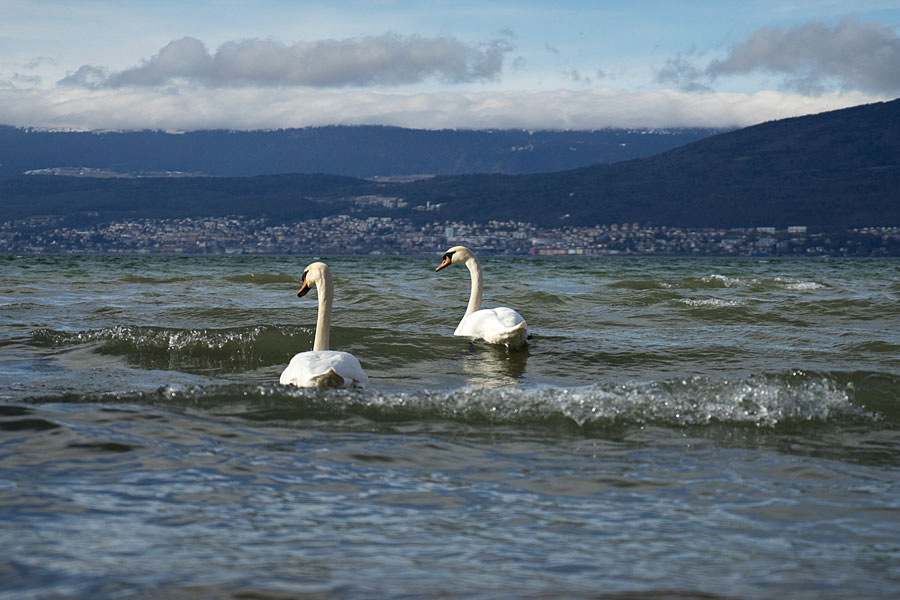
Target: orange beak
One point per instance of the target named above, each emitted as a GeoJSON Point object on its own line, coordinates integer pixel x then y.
{"type": "Point", "coordinates": [445, 263]}
{"type": "Point", "coordinates": [304, 289]}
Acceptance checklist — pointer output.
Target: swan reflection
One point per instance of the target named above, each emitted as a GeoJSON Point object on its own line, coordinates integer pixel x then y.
{"type": "Point", "coordinates": [493, 366]}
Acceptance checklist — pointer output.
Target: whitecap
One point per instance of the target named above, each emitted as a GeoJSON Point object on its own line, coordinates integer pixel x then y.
{"type": "Point", "coordinates": [724, 280]}
{"type": "Point", "coordinates": [762, 401]}
{"type": "Point", "coordinates": [793, 284]}
{"type": "Point", "coordinates": [709, 302]}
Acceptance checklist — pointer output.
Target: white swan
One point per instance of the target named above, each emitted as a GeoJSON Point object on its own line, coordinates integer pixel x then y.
{"type": "Point", "coordinates": [322, 367]}
{"type": "Point", "coordinates": [499, 325]}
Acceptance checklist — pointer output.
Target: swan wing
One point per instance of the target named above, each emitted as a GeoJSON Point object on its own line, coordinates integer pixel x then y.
{"type": "Point", "coordinates": [499, 325]}
{"type": "Point", "coordinates": [324, 368]}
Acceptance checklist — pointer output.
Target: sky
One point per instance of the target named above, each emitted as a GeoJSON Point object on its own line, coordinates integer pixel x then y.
{"type": "Point", "coordinates": [181, 65]}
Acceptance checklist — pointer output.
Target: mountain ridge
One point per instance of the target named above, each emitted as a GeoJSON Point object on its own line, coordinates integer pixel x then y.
{"type": "Point", "coordinates": [798, 170]}
{"type": "Point", "coordinates": [833, 170]}
{"type": "Point", "coordinates": [363, 151]}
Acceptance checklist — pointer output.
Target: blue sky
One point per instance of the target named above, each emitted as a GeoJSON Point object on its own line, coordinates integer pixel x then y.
{"type": "Point", "coordinates": [182, 65]}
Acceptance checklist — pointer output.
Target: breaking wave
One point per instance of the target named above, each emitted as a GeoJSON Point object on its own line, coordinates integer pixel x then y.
{"type": "Point", "coordinates": [763, 401]}
{"type": "Point", "coordinates": [198, 350]}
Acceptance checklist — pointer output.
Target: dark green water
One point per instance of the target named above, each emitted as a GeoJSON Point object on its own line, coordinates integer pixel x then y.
{"type": "Point", "coordinates": [677, 428]}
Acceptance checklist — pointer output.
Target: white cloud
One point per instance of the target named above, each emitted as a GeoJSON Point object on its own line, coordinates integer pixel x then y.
{"type": "Point", "coordinates": [681, 71]}
{"type": "Point", "coordinates": [272, 108]}
{"type": "Point", "coordinates": [263, 84]}
{"type": "Point", "coordinates": [38, 61]}
{"type": "Point", "coordinates": [388, 59]}
{"type": "Point", "coordinates": [854, 54]}
{"type": "Point", "coordinates": [812, 58]}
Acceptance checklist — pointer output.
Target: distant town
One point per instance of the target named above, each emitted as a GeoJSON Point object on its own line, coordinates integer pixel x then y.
{"type": "Point", "coordinates": [348, 234]}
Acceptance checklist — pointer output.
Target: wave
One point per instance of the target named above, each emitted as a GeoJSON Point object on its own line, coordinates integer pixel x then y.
{"type": "Point", "coordinates": [641, 284]}
{"type": "Point", "coordinates": [760, 284]}
{"type": "Point", "coordinates": [710, 302]}
{"type": "Point", "coordinates": [253, 278]}
{"type": "Point", "coordinates": [864, 309]}
{"type": "Point", "coordinates": [199, 350]}
{"type": "Point", "coordinates": [791, 284]}
{"type": "Point", "coordinates": [874, 347]}
{"type": "Point", "coordinates": [541, 299]}
{"type": "Point", "coordinates": [762, 401]}
{"type": "Point", "coordinates": [263, 278]}
{"type": "Point", "coordinates": [716, 281]}
{"type": "Point", "coordinates": [155, 280]}
{"type": "Point", "coordinates": [719, 281]}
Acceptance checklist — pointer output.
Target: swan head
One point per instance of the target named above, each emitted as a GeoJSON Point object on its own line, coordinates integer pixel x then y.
{"type": "Point", "coordinates": [313, 275]}
{"type": "Point", "coordinates": [456, 255]}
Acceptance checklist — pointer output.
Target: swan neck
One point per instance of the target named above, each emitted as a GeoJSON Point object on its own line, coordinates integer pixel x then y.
{"type": "Point", "coordinates": [325, 290]}
{"type": "Point", "coordinates": [477, 285]}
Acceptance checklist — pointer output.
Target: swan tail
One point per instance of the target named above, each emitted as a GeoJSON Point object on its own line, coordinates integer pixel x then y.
{"type": "Point", "coordinates": [512, 337]}
{"type": "Point", "coordinates": [515, 337]}
{"type": "Point", "coordinates": [328, 379]}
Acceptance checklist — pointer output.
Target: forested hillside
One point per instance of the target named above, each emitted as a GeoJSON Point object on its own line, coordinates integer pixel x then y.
{"type": "Point", "coordinates": [833, 170]}
{"type": "Point", "coordinates": [363, 151]}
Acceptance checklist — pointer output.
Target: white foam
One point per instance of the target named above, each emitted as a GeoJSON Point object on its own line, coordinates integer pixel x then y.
{"type": "Point", "coordinates": [763, 401]}
{"type": "Point", "coordinates": [709, 302]}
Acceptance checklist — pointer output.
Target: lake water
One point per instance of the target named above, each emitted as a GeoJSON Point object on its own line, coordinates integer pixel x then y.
{"type": "Point", "coordinates": [677, 428]}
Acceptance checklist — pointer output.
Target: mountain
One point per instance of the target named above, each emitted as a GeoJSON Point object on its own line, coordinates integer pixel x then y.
{"type": "Point", "coordinates": [832, 170]}
{"type": "Point", "coordinates": [88, 199]}
{"type": "Point", "coordinates": [361, 151]}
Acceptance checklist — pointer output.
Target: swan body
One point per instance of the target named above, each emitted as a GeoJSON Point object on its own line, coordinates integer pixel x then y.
{"type": "Point", "coordinates": [321, 367]}
{"type": "Point", "coordinates": [499, 325]}
{"type": "Point", "coordinates": [324, 369]}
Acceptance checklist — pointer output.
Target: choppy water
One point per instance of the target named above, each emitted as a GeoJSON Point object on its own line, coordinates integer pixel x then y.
{"type": "Point", "coordinates": [677, 428]}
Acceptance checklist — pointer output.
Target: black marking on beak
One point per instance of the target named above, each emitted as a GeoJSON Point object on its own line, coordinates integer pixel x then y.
{"type": "Point", "coordinates": [448, 258]}
{"type": "Point", "coordinates": [304, 289]}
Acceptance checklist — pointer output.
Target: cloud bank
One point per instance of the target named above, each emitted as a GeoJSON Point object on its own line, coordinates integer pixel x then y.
{"type": "Point", "coordinates": [251, 108]}
{"type": "Point", "coordinates": [812, 57]}
{"type": "Point", "coordinates": [261, 84]}
{"type": "Point", "coordinates": [384, 60]}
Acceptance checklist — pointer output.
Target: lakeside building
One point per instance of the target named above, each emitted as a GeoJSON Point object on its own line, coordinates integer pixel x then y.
{"type": "Point", "coordinates": [346, 234]}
